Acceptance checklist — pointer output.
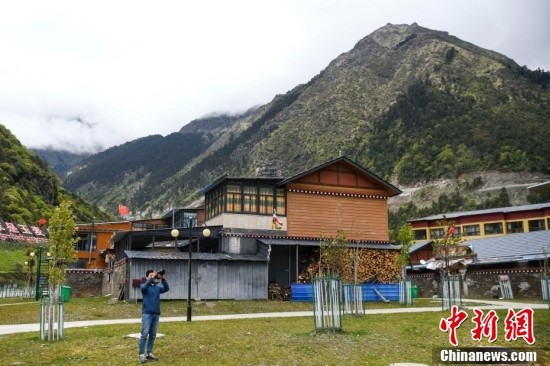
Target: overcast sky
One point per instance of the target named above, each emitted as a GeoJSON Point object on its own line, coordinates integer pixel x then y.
{"type": "Point", "coordinates": [87, 75]}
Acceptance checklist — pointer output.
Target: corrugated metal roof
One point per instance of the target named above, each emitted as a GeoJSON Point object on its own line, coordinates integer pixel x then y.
{"type": "Point", "coordinates": [512, 248]}
{"type": "Point", "coordinates": [419, 245]}
{"type": "Point", "coordinates": [505, 249]}
{"type": "Point", "coordinates": [173, 255]}
{"type": "Point", "coordinates": [452, 215]}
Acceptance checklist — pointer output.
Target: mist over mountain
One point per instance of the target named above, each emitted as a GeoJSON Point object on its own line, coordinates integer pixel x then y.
{"type": "Point", "coordinates": [411, 104]}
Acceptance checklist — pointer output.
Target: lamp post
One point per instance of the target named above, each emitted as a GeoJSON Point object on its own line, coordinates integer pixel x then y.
{"type": "Point", "coordinates": [205, 233]}
{"type": "Point", "coordinates": [175, 233]}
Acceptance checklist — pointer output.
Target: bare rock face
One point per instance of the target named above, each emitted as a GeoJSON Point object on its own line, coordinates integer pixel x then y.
{"type": "Point", "coordinates": [476, 185]}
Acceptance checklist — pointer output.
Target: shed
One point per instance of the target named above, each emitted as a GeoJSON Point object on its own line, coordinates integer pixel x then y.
{"type": "Point", "coordinates": [213, 275]}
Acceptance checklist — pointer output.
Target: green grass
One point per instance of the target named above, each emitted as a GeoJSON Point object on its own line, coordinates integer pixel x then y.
{"type": "Point", "coordinates": [368, 340]}
{"type": "Point", "coordinates": [97, 308]}
{"type": "Point", "coordinates": [12, 255]}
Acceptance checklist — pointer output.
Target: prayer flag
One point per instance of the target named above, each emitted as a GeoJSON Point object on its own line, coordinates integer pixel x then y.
{"type": "Point", "coordinates": [276, 223]}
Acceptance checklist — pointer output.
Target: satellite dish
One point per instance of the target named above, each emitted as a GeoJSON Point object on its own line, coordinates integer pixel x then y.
{"type": "Point", "coordinates": [422, 261]}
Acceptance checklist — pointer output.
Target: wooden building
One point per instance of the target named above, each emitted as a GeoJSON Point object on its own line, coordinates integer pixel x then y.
{"type": "Point", "coordinates": [93, 248]}
{"type": "Point", "coordinates": [261, 229]}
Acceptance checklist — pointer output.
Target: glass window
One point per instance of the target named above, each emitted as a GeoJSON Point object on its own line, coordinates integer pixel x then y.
{"type": "Point", "coordinates": [471, 230]}
{"type": "Point", "coordinates": [233, 195]}
{"type": "Point", "coordinates": [514, 227]}
{"type": "Point", "coordinates": [420, 234]}
{"type": "Point", "coordinates": [436, 233]}
{"type": "Point", "coordinates": [189, 219]}
{"type": "Point", "coordinates": [493, 228]}
{"type": "Point", "coordinates": [458, 231]}
{"type": "Point", "coordinates": [250, 199]}
{"type": "Point", "coordinates": [266, 201]}
{"type": "Point", "coordinates": [281, 202]}
{"type": "Point", "coordinates": [83, 242]}
{"type": "Point", "coordinates": [536, 225]}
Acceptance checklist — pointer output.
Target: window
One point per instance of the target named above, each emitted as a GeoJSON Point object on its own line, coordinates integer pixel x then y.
{"type": "Point", "coordinates": [458, 231]}
{"type": "Point", "coordinates": [436, 233]}
{"type": "Point", "coordinates": [420, 234]}
{"type": "Point", "coordinates": [281, 202]}
{"type": "Point", "coordinates": [514, 227]}
{"type": "Point", "coordinates": [245, 197]}
{"type": "Point", "coordinates": [493, 228]}
{"type": "Point", "coordinates": [536, 225]}
{"type": "Point", "coordinates": [250, 199]}
{"type": "Point", "coordinates": [189, 219]}
{"type": "Point", "coordinates": [213, 202]}
{"type": "Point", "coordinates": [471, 230]}
{"type": "Point", "coordinates": [233, 203]}
{"type": "Point", "coordinates": [83, 243]}
{"type": "Point", "coordinates": [266, 201]}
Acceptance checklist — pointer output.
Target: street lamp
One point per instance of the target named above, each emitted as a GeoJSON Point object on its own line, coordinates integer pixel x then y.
{"type": "Point", "coordinates": [206, 234]}
{"type": "Point", "coordinates": [175, 233]}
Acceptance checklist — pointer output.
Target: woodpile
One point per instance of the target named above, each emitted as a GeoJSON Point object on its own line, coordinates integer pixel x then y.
{"type": "Point", "coordinates": [276, 292]}
{"type": "Point", "coordinates": [371, 264]}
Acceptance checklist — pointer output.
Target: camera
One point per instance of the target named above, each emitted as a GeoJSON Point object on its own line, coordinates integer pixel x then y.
{"type": "Point", "coordinates": [160, 272]}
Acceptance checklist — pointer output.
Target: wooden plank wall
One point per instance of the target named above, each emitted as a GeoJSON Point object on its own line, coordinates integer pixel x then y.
{"type": "Point", "coordinates": [362, 218]}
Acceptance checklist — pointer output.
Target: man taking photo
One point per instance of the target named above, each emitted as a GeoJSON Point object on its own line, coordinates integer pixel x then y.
{"type": "Point", "coordinates": [151, 289]}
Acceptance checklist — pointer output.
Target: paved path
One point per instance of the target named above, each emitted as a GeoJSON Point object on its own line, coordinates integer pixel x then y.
{"type": "Point", "coordinates": [35, 327]}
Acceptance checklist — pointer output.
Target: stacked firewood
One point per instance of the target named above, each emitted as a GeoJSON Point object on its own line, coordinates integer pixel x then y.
{"type": "Point", "coordinates": [276, 292]}
{"type": "Point", "coordinates": [371, 264]}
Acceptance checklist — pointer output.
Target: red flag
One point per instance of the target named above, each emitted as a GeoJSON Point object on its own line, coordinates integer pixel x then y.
{"type": "Point", "coordinates": [123, 210]}
{"type": "Point", "coordinates": [42, 222]}
{"type": "Point", "coordinates": [276, 223]}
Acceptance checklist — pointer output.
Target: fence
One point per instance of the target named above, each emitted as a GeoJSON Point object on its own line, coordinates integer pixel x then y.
{"type": "Point", "coordinates": [545, 286]}
{"type": "Point", "coordinates": [327, 293]}
{"type": "Point", "coordinates": [12, 290]}
{"type": "Point", "coordinates": [353, 300]}
{"type": "Point", "coordinates": [450, 287]}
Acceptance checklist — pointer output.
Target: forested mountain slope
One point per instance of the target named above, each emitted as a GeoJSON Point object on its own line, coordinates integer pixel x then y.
{"type": "Point", "coordinates": [29, 190]}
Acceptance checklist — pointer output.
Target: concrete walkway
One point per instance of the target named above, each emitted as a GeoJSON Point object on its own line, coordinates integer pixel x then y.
{"type": "Point", "coordinates": [35, 327]}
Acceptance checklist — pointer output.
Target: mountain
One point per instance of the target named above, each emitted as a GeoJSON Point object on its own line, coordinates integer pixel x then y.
{"type": "Point", "coordinates": [411, 104]}
{"type": "Point", "coordinates": [60, 161]}
{"type": "Point", "coordinates": [29, 190]}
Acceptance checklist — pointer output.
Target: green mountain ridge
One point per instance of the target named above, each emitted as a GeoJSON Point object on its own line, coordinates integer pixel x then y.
{"type": "Point", "coordinates": [409, 103]}
{"type": "Point", "coordinates": [29, 190]}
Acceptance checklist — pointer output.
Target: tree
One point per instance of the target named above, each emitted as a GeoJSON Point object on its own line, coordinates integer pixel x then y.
{"type": "Point", "coordinates": [334, 253]}
{"type": "Point", "coordinates": [62, 251]}
{"type": "Point", "coordinates": [405, 237]}
{"type": "Point", "coordinates": [445, 249]}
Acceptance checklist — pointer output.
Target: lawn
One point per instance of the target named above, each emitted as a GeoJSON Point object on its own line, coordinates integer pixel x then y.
{"type": "Point", "coordinates": [366, 340]}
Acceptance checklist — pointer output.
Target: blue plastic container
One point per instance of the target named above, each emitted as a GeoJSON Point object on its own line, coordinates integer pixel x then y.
{"type": "Point", "coordinates": [390, 291]}
{"type": "Point", "coordinates": [301, 292]}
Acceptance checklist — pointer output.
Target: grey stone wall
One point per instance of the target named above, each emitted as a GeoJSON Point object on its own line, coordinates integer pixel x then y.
{"type": "Point", "coordinates": [484, 283]}
{"type": "Point", "coordinates": [84, 282]}
{"type": "Point", "coordinates": [114, 279]}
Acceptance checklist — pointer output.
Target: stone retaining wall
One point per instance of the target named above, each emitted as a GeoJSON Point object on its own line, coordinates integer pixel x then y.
{"type": "Point", "coordinates": [484, 283]}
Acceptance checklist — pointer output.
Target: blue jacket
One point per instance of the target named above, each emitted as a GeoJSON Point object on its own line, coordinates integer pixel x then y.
{"type": "Point", "coordinates": [151, 296]}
